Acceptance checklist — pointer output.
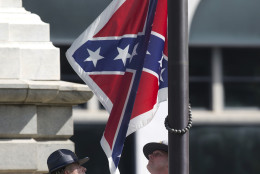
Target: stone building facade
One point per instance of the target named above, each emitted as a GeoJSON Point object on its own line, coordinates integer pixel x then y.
{"type": "Point", "coordinates": [35, 106]}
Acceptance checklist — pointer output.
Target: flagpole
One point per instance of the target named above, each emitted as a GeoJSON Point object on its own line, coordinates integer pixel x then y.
{"type": "Point", "coordinates": [178, 86]}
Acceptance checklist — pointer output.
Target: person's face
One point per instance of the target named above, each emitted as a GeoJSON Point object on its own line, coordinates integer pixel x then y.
{"type": "Point", "coordinates": [158, 160]}
{"type": "Point", "coordinates": [75, 168]}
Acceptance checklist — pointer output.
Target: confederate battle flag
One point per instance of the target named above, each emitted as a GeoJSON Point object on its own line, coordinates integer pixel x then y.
{"type": "Point", "coordinates": [122, 56]}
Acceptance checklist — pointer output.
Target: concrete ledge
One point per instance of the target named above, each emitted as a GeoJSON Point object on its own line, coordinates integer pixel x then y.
{"type": "Point", "coordinates": [19, 16]}
{"type": "Point", "coordinates": [29, 32]}
{"type": "Point", "coordinates": [10, 62]}
{"type": "Point", "coordinates": [28, 155]}
{"type": "Point", "coordinates": [40, 63]}
{"type": "Point", "coordinates": [24, 26]}
{"type": "Point", "coordinates": [18, 121]}
{"type": "Point", "coordinates": [13, 90]}
{"type": "Point", "coordinates": [54, 122]}
{"type": "Point", "coordinates": [4, 31]}
{"type": "Point", "coordinates": [19, 155]}
{"type": "Point", "coordinates": [43, 92]}
{"type": "Point", "coordinates": [39, 122]}
{"type": "Point", "coordinates": [10, 3]}
{"type": "Point", "coordinates": [34, 61]}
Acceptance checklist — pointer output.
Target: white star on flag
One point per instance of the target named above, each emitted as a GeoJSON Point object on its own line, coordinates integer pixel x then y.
{"type": "Point", "coordinates": [123, 54]}
{"type": "Point", "coordinates": [134, 53]}
{"type": "Point", "coordinates": [94, 56]}
{"type": "Point", "coordinates": [147, 52]}
{"type": "Point", "coordinates": [160, 62]}
{"type": "Point", "coordinates": [161, 74]}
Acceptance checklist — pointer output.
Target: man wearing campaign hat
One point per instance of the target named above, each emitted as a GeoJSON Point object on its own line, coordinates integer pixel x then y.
{"type": "Point", "coordinates": [157, 154]}
{"type": "Point", "coordinates": [64, 161]}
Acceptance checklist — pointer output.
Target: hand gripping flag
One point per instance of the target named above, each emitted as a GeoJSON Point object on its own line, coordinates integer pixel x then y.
{"type": "Point", "coordinates": [122, 56]}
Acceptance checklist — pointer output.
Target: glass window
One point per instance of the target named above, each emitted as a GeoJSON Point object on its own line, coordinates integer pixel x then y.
{"type": "Point", "coordinates": [200, 95]}
{"type": "Point", "coordinates": [200, 77]}
{"type": "Point", "coordinates": [246, 94]}
{"type": "Point", "coordinates": [199, 60]}
{"type": "Point", "coordinates": [241, 75]}
{"type": "Point", "coordinates": [241, 62]}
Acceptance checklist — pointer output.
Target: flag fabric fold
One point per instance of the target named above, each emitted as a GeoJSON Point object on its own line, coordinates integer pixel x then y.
{"type": "Point", "coordinates": [123, 57]}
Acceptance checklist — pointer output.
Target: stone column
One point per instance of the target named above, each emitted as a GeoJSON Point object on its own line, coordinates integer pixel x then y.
{"type": "Point", "coordinates": [35, 106]}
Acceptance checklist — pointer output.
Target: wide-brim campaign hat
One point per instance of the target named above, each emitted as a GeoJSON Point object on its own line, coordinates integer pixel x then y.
{"type": "Point", "coordinates": [149, 148]}
{"type": "Point", "coordinates": [63, 157]}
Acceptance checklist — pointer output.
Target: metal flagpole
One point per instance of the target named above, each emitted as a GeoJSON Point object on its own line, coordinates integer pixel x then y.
{"type": "Point", "coordinates": [178, 94]}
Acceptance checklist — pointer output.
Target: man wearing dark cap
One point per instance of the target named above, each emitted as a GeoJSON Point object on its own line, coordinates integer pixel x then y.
{"type": "Point", "coordinates": [64, 161]}
{"type": "Point", "coordinates": [157, 154]}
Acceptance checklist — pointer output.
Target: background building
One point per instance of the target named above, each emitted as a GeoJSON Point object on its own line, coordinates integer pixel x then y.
{"type": "Point", "coordinates": [224, 70]}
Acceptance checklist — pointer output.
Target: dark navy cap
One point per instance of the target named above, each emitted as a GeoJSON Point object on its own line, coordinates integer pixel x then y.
{"type": "Point", "coordinates": [149, 148]}
{"type": "Point", "coordinates": [63, 157]}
